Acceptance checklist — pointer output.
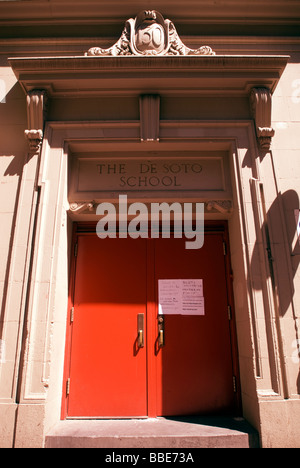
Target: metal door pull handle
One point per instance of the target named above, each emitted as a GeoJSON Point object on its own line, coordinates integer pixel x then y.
{"type": "Point", "coordinates": [140, 339]}
{"type": "Point", "coordinates": [161, 339]}
{"type": "Point", "coordinates": [161, 331]}
{"type": "Point", "coordinates": [140, 327]}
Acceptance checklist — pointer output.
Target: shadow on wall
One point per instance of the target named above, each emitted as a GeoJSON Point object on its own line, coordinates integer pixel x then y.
{"type": "Point", "coordinates": [13, 122]}
{"type": "Point", "coordinates": [13, 146]}
{"type": "Point", "coordinates": [275, 254]}
{"type": "Point", "coordinates": [278, 270]}
{"type": "Point", "coordinates": [288, 202]}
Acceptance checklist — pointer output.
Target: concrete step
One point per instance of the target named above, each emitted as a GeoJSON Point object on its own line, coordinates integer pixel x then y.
{"type": "Point", "coordinates": [190, 432]}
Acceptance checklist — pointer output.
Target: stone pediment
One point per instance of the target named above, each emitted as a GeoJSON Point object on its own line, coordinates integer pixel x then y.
{"type": "Point", "coordinates": [149, 34]}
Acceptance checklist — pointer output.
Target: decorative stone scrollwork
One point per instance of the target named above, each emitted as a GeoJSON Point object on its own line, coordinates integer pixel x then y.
{"type": "Point", "coordinates": [265, 135]}
{"type": "Point", "coordinates": [222, 206]}
{"type": "Point", "coordinates": [261, 108]}
{"type": "Point", "coordinates": [34, 138]}
{"type": "Point", "coordinates": [149, 34]}
{"type": "Point", "coordinates": [36, 112]}
{"type": "Point", "coordinates": [79, 207]}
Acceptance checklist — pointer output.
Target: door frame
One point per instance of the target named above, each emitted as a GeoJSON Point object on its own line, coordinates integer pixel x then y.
{"type": "Point", "coordinates": [89, 228]}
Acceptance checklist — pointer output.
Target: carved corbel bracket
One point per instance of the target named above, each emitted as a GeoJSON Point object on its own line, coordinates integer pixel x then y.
{"type": "Point", "coordinates": [261, 108]}
{"type": "Point", "coordinates": [36, 113]}
{"type": "Point", "coordinates": [149, 117]}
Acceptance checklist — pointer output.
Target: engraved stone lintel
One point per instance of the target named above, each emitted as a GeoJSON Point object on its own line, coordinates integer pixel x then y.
{"type": "Point", "coordinates": [149, 34]}
{"type": "Point", "coordinates": [261, 108]}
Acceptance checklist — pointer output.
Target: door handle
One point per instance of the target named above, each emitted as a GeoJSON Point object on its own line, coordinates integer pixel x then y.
{"type": "Point", "coordinates": [161, 339]}
{"type": "Point", "coordinates": [161, 331]}
{"type": "Point", "coordinates": [140, 324]}
{"type": "Point", "coordinates": [140, 339]}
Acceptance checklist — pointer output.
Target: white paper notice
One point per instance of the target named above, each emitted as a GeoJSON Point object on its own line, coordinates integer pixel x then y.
{"type": "Point", "coordinates": [181, 297]}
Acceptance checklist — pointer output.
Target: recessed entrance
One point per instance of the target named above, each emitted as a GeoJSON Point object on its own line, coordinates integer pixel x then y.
{"type": "Point", "coordinates": [123, 358]}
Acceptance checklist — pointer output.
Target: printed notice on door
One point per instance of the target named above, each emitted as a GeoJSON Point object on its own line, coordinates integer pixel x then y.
{"type": "Point", "coordinates": [180, 297]}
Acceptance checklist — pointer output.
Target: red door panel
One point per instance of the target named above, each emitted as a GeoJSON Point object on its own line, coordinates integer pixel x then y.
{"type": "Point", "coordinates": [195, 365]}
{"type": "Point", "coordinates": [107, 370]}
{"type": "Point", "coordinates": [110, 376]}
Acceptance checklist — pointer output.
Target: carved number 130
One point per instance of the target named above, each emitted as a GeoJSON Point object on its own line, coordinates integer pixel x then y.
{"type": "Point", "coordinates": [152, 36]}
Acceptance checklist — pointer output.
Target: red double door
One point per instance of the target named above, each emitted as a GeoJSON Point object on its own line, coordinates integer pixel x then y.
{"type": "Point", "coordinates": [123, 359]}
